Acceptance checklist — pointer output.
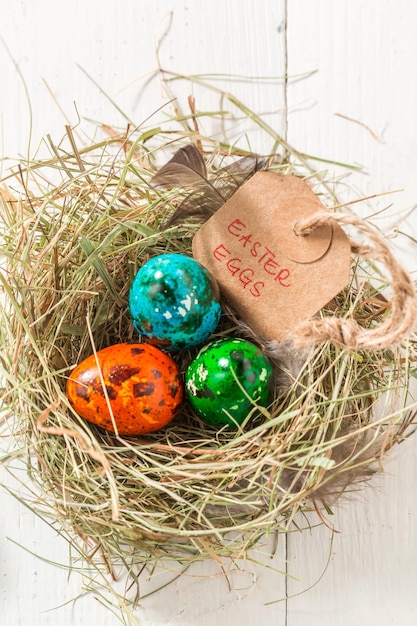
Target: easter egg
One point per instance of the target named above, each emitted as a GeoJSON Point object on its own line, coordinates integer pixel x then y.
{"type": "Point", "coordinates": [137, 383]}
{"type": "Point", "coordinates": [225, 380]}
{"type": "Point", "coordinates": [174, 302]}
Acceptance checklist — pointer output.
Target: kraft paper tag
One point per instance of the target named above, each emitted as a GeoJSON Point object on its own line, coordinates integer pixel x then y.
{"type": "Point", "coordinates": [272, 277]}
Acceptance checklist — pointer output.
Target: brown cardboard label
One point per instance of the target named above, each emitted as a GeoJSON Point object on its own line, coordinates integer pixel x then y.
{"type": "Point", "coordinates": [273, 278]}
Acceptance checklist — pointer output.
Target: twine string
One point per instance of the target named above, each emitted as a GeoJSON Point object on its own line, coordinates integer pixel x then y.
{"type": "Point", "coordinates": [402, 317]}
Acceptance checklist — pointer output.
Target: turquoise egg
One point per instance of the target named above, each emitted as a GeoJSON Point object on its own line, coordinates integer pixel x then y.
{"type": "Point", "coordinates": [174, 301]}
{"type": "Point", "coordinates": [225, 380]}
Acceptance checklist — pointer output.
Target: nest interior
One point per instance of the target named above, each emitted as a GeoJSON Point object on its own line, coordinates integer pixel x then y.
{"type": "Point", "coordinates": [77, 228]}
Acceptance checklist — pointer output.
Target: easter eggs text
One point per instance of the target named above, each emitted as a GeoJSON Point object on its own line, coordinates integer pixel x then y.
{"type": "Point", "coordinates": [264, 267]}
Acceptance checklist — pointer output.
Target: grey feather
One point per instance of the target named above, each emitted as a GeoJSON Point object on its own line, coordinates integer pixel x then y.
{"type": "Point", "coordinates": [203, 193]}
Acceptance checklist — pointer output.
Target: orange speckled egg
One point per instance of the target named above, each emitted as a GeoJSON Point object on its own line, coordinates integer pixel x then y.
{"type": "Point", "coordinates": [143, 387]}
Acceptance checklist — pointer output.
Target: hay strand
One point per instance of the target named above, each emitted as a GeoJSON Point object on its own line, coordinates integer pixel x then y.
{"type": "Point", "coordinates": [77, 227]}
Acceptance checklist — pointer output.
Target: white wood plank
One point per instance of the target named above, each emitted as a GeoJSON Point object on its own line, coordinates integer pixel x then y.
{"type": "Point", "coordinates": [121, 51]}
{"type": "Point", "coordinates": [362, 52]}
{"type": "Point", "coordinates": [116, 45]}
{"type": "Point", "coordinates": [372, 569]}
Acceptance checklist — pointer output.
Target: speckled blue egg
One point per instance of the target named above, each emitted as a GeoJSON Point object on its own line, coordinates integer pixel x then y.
{"type": "Point", "coordinates": [226, 379]}
{"type": "Point", "coordinates": [174, 301]}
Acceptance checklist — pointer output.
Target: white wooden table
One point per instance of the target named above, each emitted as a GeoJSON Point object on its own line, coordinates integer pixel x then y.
{"type": "Point", "coordinates": [347, 91]}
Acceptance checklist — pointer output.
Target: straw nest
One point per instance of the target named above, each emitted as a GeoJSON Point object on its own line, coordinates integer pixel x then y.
{"type": "Point", "coordinates": [77, 226]}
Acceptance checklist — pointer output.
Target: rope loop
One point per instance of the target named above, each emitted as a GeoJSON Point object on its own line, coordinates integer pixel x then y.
{"type": "Point", "coordinates": [402, 317]}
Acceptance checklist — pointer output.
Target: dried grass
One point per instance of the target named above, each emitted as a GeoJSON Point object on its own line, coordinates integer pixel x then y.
{"type": "Point", "coordinates": [77, 226]}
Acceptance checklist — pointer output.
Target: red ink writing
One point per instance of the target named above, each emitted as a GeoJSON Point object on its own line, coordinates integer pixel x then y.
{"type": "Point", "coordinates": [259, 251]}
{"type": "Point", "coordinates": [221, 252]}
{"type": "Point", "coordinates": [245, 275]}
{"type": "Point", "coordinates": [260, 264]}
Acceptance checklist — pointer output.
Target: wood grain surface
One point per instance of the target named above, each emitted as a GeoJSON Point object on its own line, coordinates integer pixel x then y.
{"type": "Point", "coordinates": [340, 83]}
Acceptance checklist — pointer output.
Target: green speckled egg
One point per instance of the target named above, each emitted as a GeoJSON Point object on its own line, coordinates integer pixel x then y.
{"type": "Point", "coordinates": [224, 380]}
{"type": "Point", "coordinates": [174, 301]}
